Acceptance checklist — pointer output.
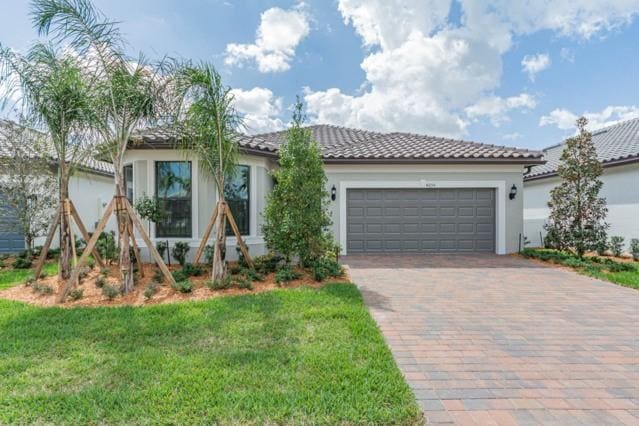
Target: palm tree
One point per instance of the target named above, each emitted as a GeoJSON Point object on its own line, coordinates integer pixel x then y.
{"type": "Point", "coordinates": [54, 97]}
{"type": "Point", "coordinates": [209, 130]}
{"type": "Point", "coordinates": [127, 94]}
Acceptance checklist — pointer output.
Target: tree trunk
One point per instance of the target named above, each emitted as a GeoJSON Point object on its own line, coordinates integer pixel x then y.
{"type": "Point", "coordinates": [218, 271]}
{"type": "Point", "coordinates": [126, 267]}
{"type": "Point", "coordinates": [65, 232]}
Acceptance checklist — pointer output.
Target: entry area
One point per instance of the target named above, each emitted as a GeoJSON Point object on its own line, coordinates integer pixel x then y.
{"type": "Point", "coordinates": [420, 220]}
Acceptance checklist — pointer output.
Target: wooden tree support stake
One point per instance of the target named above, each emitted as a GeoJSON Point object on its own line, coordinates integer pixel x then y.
{"type": "Point", "coordinates": [47, 244]}
{"type": "Point", "coordinates": [205, 237]}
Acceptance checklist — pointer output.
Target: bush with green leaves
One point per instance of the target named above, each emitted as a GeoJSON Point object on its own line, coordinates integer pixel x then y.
{"type": "Point", "coordinates": [149, 209]}
{"type": "Point", "coordinates": [616, 245]}
{"type": "Point", "coordinates": [158, 276]}
{"type": "Point", "coordinates": [243, 282]}
{"type": "Point", "coordinates": [179, 252]}
{"type": "Point", "coordinates": [241, 260]}
{"type": "Point", "coordinates": [101, 281]}
{"type": "Point", "coordinates": [183, 286]}
{"type": "Point", "coordinates": [76, 294]}
{"type": "Point", "coordinates": [267, 263]}
{"type": "Point", "coordinates": [234, 269]}
{"type": "Point", "coordinates": [296, 217]}
{"type": "Point", "coordinates": [107, 246]}
{"type": "Point", "coordinates": [251, 274]}
{"type": "Point", "coordinates": [42, 288]}
{"type": "Point", "coordinates": [150, 290]}
{"type": "Point", "coordinates": [53, 253]}
{"type": "Point", "coordinates": [208, 255]}
{"type": "Point", "coordinates": [192, 270]}
{"type": "Point", "coordinates": [325, 267]}
{"type": "Point", "coordinates": [22, 263]}
{"type": "Point", "coordinates": [285, 274]}
{"type": "Point", "coordinates": [110, 291]}
{"type": "Point", "coordinates": [634, 248]}
{"type": "Point", "coordinates": [162, 247]}
{"type": "Point", "coordinates": [222, 284]}
{"type": "Point", "coordinates": [179, 276]}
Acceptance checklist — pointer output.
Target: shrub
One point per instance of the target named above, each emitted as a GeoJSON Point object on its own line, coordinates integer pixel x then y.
{"type": "Point", "coordinates": [235, 269]}
{"type": "Point", "coordinates": [162, 247]}
{"type": "Point", "coordinates": [21, 263]}
{"type": "Point", "coordinates": [30, 280]}
{"type": "Point", "coordinates": [616, 245]}
{"type": "Point", "coordinates": [183, 286]}
{"type": "Point", "coordinates": [219, 284]}
{"type": "Point", "coordinates": [107, 246]}
{"type": "Point", "coordinates": [90, 262]}
{"type": "Point", "coordinates": [110, 292]}
{"type": "Point", "coordinates": [208, 255]}
{"type": "Point", "coordinates": [105, 271]}
{"type": "Point", "coordinates": [100, 282]}
{"type": "Point", "coordinates": [150, 290]}
{"type": "Point", "coordinates": [179, 276]}
{"type": "Point", "coordinates": [179, 252]}
{"type": "Point", "coordinates": [76, 294]}
{"type": "Point", "coordinates": [192, 270]}
{"type": "Point", "coordinates": [241, 260]}
{"type": "Point", "coordinates": [267, 263]}
{"type": "Point", "coordinates": [325, 267]}
{"type": "Point", "coordinates": [158, 276]}
{"type": "Point", "coordinates": [84, 271]}
{"type": "Point", "coordinates": [252, 274]}
{"type": "Point", "coordinates": [41, 288]}
{"type": "Point", "coordinates": [53, 253]}
{"type": "Point", "coordinates": [243, 283]}
{"type": "Point", "coordinates": [285, 274]}
{"type": "Point", "coordinates": [634, 248]}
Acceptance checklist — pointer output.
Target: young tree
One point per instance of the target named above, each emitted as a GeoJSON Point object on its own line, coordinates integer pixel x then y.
{"type": "Point", "coordinates": [54, 97]}
{"type": "Point", "coordinates": [126, 94]}
{"type": "Point", "coordinates": [209, 131]}
{"type": "Point", "coordinates": [25, 184]}
{"type": "Point", "coordinates": [296, 215]}
{"type": "Point", "coordinates": [577, 213]}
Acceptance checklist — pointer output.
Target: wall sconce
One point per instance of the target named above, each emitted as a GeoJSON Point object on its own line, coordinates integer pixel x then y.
{"type": "Point", "coordinates": [333, 193]}
{"type": "Point", "coordinates": [513, 192]}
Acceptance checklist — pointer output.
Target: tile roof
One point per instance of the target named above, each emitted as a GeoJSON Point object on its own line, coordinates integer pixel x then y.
{"type": "Point", "coordinates": [615, 144]}
{"type": "Point", "coordinates": [340, 144]}
{"type": "Point", "coordinates": [8, 128]}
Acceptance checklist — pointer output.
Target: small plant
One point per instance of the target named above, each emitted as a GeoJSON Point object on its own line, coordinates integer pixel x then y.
{"type": "Point", "coordinates": [267, 263]}
{"type": "Point", "coordinates": [158, 276]}
{"type": "Point", "coordinates": [150, 290]}
{"type": "Point", "coordinates": [30, 280]}
{"type": "Point", "coordinates": [110, 291]}
{"type": "Point", "coordinates": [107, 246]}
{"type": "Point", "coordinates": [150, 209]}
{"type": "Point", "coordinates": [285, 275]}
{"type": "Point", "coordinates": [219, 284]}
{"type": "Point", "coordinates": [252, 274]}
{"type": "Point", "coordinates": [243, 283]}
{"type": "Point", "coordinates": [602, 246]}
{"type": "Point", "coordinates": [241, 260]}
{"type": "Point", "coordinates": [208, 255]}
{"type": "Point", "coordinates": [162, 247]}
{"type": "Point", "coordinates": [101, 281]}
{"type": "Point", "coordinates": [192, 270]}
{"type": "Point", "coordinates": [22, 263]}
{"type": "Point", "coordinates": [105, 272]}
{"type": "Point", "coordinates": [179, 252]}
{"type": "Point", "coordinates": [179, 276]}
{"type": "Point", "coordinates": [53, 253]}
{"type": "Point", "coordinates": [235, 269]}
{"type": "Point", "coordinates": [41, 289]}
{"type": "Point", "coordinates": [84, 272]}
{"type": "Point", "coordinates": [634, 248]}
{"type": "Point", "coordinates": [183, 286]}
{"type": "Point", "coordinates": [90, 262]}
{"type": "Point", "coordinates": [76, 294]}
{"type": "Point", "coordinates": [616, 245]}
{"type": "Point", "coordinates": [326, 267]}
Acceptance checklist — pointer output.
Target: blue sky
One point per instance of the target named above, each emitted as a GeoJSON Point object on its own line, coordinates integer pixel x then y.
{"type": "Point", "coordinates": [508, 72]}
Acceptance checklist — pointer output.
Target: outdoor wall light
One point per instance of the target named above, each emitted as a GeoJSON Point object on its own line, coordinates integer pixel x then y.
{"type": "Point", "coordinates": [513, 192]}
{"type": "Point", "coordinates": [333, 193]}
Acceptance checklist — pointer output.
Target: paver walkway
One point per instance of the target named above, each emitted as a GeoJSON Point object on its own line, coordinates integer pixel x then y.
{"type": "Point", "coordinates": [502, 340]}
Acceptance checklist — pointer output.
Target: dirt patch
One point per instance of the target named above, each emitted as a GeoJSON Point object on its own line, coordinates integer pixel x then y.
{"type": "Point", "coordinates": [92, 295]}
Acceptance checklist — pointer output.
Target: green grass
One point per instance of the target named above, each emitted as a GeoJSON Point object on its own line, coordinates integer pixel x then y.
{"type": "Point", "coordinates": [287, 356]}
{"type": "Point", "coordinates": [12, 277]}
{"type": "Point", "coordinates": [625, 274]}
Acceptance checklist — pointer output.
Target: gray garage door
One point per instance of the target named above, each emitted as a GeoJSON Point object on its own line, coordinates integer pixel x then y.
{"type": "Point", "coordinates": [420, 220]}
{"type": "Point", "coordinates": [11, 240]}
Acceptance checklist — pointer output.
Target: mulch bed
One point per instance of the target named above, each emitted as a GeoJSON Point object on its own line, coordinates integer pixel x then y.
{"type": "Point", "coordinates": [93, 296]}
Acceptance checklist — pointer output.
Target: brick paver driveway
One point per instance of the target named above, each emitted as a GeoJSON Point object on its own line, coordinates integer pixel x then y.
{"type": "Point", "coordinates": [501, 340]}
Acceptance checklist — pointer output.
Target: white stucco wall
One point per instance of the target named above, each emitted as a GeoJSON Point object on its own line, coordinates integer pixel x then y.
{"type": "Point", "coordinates": [620, 189]}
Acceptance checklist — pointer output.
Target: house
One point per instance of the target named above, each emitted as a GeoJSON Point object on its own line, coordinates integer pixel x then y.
{"type": "Point", "coordinates": [391, 192]}
{"type": "Point", "coordinates": [618, 151]}
{"type": "Point", "coordinates": [90, 188]}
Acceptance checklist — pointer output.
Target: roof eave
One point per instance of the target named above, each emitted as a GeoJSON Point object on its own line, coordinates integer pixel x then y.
{"type": "Point", "coordinates": [523, 161]}
{"type": "Point", "coordinates": [605, 165]}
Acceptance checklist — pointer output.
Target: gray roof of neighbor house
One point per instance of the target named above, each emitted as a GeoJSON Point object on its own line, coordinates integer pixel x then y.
{"type": "Point", "coordinates": [617, 144]}
{"type": "Point", "coordinates": [9, 128]}
{"type": "Point", "coordinates": [341, 144]}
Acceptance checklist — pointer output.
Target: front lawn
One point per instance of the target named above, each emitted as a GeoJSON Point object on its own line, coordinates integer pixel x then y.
{"type": "Point", "coordinates": [11, 277]}
{"type": "Point", "coordinates": [622, 273]}
{"type": "Point", "coordinates": [287, 356]}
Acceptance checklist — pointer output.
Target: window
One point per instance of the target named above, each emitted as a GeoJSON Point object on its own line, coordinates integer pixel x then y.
{"type": "Point", "coordinates": [173, 189]}
{"type": "Point", "coordinates": [128, 182]}
{"type": "Point", "coordinates": [236, 193]}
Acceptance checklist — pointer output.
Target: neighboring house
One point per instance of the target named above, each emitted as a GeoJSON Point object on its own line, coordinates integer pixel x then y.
{"type": "Point", "coordinates": [618, 151]}
{"type": "Point", "coordinates": [392, 192]}
{"type": "Point", "coordinates": [91, 188]}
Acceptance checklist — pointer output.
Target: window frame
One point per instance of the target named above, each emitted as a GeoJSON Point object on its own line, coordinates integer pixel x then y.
{"type": "Point", "coordinates": [189, 234]}
{"type": "Point", "coordinates": [126, 167]}
{"type": "Point", "coordinates": [249, 203]}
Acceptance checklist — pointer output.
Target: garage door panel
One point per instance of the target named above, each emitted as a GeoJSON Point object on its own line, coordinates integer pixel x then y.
{"type": "Point", "coordinates": [420, 220]}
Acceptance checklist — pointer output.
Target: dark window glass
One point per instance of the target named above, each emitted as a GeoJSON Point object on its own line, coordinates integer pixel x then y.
{"type": "Point", "coordinates": [236, 193]}
{"type": "Point", "coordinates": [173, 189]}
{"type": "Point", "coordinates": [128, 182]}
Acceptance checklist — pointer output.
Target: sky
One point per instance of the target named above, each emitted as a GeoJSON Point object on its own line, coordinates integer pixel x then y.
{"type": "Point", "coordinates": [505, 72]}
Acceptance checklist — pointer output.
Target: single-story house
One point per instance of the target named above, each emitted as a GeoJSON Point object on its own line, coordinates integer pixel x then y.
{"type": "Point", "coordinates": [618, 151]}
{"type": "Point", "coordinates": [391, 192]}
{"type": "Point", "coordinates": [91, 188]}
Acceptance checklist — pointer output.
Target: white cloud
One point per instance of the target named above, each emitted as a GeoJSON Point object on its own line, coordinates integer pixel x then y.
{"type": "Point", "coordinates": [425, 74]}
{"type": "Point", "coordinates": [567, 54]}
{"type": "Point", "coordinates": [565, 120]}
{"type": "Point", "coordinates": [512, 136]}
{"type": "Point", "coordinates": [497, 109]}
{"type": "Point", "coordinates": [260, 109]}
{"type": "Point", "coordinates": [533, 64]}
{"type": "Point", "coordinates": [278, 35]}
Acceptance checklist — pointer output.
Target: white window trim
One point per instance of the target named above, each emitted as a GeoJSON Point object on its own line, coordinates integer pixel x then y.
{"type": "Point", "coordinates": [498, 185]}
